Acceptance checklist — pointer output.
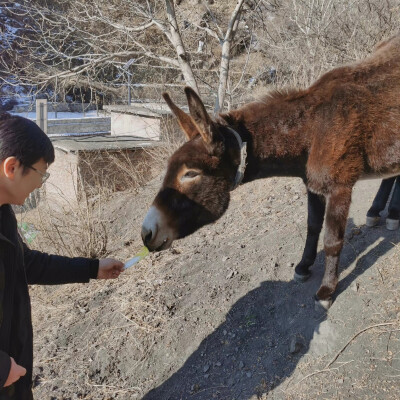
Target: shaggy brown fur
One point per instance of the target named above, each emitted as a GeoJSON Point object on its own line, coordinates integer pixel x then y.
{"type": "Point", "coordinates": [344, 127]}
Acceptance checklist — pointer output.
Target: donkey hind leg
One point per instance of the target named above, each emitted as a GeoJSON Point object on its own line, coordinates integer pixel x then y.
{"type": "Point", "coordinates": [336, 218]}
{"type": "Point", "coordinates": [315, 219]}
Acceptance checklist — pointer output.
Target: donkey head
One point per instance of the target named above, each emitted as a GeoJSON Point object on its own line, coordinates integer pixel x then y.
{"type": "Point", "coordinates": [195, 190]}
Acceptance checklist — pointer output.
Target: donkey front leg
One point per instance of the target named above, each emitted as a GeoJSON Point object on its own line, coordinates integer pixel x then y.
{"type": "Point", "coordinates": [335, 225]}
{"type": "Point", "coordinates": [315, 219]}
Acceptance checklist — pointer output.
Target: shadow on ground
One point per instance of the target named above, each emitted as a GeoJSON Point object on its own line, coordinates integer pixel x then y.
{"type": "Point", "coordinates": [266, 332]}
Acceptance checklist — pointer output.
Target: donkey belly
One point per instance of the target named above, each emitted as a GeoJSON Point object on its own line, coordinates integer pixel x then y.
{"type": "Point", "coordinates": [383, 155]}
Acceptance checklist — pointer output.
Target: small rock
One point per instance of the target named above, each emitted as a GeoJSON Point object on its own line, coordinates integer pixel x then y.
{"type": "Point", "coordinates": [218, 364]}
{"type": "Point", "coordinates": [225, 258]}
{"type": "Point", "coordinates": [230, 274]}
{"type": "Point", "coordinates": [248, 374]}
{"type": "Point", "coordinates": [295, 345]}
{"type": "Point", "coordinates": [175, 251]}
{"type": "Point", "coordinates": [195, 388]}
{"type": "Point", "coordinates": [290, 264]}
{"type": "Point", "coordinates": [355, 286]}
{"type": "Point", "coordinates": [241, 364]}
{"type": "Point", "coordinates": [274, 263]}
{"type": "Point", "coordinates": [206, 368]}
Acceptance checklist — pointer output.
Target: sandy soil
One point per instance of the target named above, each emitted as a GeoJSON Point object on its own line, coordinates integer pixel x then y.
{"type": "Point", "coordinates": [218, 316]}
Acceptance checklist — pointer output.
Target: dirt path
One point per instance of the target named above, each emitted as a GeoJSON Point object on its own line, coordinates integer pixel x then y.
{"type": "Point", "coordinates": [218, 315]}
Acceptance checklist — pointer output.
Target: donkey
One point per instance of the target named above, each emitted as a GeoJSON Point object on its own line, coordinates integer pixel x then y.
{"type": "Point", "coordinates": [343, 128]}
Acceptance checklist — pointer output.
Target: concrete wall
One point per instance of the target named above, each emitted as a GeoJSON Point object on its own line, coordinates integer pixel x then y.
{"type": "Point", "coordinates": [135, 125]}
{"type": "Point", "coordinates": [163, 127]}
{"type": "Point", "coordinates": [62, 185]}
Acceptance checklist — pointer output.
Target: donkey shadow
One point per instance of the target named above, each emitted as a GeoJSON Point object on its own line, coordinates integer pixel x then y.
{"type": "Point", "coordinates": [267, 331]}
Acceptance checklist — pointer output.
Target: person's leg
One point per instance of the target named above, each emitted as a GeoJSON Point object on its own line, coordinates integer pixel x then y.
{"type": "Point", "coordinates": [392, 220]}
{"type": "Point", "coordinates": [380, 201]}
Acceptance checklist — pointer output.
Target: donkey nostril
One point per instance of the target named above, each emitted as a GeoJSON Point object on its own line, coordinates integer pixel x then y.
{"type": "Point", "coordinates": [147, 238]}
{"type": "Point", "coordinates": [147, 234]}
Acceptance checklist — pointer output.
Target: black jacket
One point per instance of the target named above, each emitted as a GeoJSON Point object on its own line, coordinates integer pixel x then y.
{"type": "Point", "coordinates": [20, 266]}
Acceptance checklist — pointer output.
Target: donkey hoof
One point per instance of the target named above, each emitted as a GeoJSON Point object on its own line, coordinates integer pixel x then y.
{"type": "Point", "coordinates": [300, 277]}
{"type": "Point", "coordinates": [392, 224]}
{"type": "Point", "coordinates": [322, 305]}
{"type": "Point", "coordinates": [372, 221]}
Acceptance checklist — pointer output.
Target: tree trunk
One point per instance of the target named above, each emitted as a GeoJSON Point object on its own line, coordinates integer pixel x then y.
{"type": "Point", "coordinates": [176, 40]}
{"type": "Point", "coordinates": [225, 57]}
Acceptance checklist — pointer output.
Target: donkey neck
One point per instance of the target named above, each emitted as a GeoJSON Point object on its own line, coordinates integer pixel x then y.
{"type": "Point", "coordinates": [276, 135]}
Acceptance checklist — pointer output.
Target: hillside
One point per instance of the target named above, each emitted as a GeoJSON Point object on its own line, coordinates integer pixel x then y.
{"type": "Point", "coordinates": [218, 315]}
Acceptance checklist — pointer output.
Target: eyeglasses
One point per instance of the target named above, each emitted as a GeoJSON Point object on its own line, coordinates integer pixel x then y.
{"type": "Point", "coordinates": [44, 175]}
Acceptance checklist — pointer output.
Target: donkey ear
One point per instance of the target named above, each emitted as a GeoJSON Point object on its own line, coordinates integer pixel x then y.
{"type": "Point", "coordinates": [185, 121]}
{"type": "Point", "coordinates": [200, 116]}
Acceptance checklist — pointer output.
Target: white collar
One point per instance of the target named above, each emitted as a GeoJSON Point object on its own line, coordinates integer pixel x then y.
{"type": "Point", "coordinates": [243, 155]}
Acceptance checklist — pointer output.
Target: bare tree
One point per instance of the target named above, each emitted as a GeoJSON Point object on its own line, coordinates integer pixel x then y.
{"type": "Point", "coordinates": [87, 42]}
{"type": "Point", "coordinates": [176, 40]}
{"type": "Point", "coordinates": [226, 56]}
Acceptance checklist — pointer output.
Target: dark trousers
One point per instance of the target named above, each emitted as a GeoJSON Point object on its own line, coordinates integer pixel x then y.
{"type": "Point", "coordinates": [382, 197]}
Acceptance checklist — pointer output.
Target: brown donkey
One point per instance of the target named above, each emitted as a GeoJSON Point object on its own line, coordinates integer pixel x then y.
{"type": "Point", "coordinates": [345, 127]}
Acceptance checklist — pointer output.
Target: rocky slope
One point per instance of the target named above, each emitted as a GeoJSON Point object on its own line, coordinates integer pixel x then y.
{"type": "Point", "coordinates": [218, 316]}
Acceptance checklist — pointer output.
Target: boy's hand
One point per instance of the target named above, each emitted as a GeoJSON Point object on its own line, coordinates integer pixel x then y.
{"type": "Point", "coordinates": [16, 371]}
{"type": "Point", "coordinates": [109, 268]}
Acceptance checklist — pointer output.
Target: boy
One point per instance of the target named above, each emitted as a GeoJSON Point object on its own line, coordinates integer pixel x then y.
{"type": "Point", "coordinates": [25, 154]}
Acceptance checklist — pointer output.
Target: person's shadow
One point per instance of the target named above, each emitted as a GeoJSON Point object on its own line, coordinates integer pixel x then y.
{"type": "Point", "coordinates": [268, 330]}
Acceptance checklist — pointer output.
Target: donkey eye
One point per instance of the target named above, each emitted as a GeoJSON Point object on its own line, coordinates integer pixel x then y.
{"type": "Point", "coordinates": [191, 174]}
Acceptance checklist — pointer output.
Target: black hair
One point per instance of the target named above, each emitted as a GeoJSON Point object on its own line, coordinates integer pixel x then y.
{"type": "Point", "coordinates": [22, 138]}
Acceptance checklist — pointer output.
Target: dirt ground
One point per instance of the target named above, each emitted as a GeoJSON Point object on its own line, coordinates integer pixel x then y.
{"type": "Point", "coordinates": [218, 315]}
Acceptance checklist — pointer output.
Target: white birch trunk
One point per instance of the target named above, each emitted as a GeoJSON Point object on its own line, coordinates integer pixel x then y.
{"type": "Point", "coordinates": [176, 41]}
{"type": "Point", "coordinates": [225, 57]}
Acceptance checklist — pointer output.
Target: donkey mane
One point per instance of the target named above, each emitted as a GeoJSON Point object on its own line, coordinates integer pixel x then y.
{"type": "Point", "coordinates": [280, 94]}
